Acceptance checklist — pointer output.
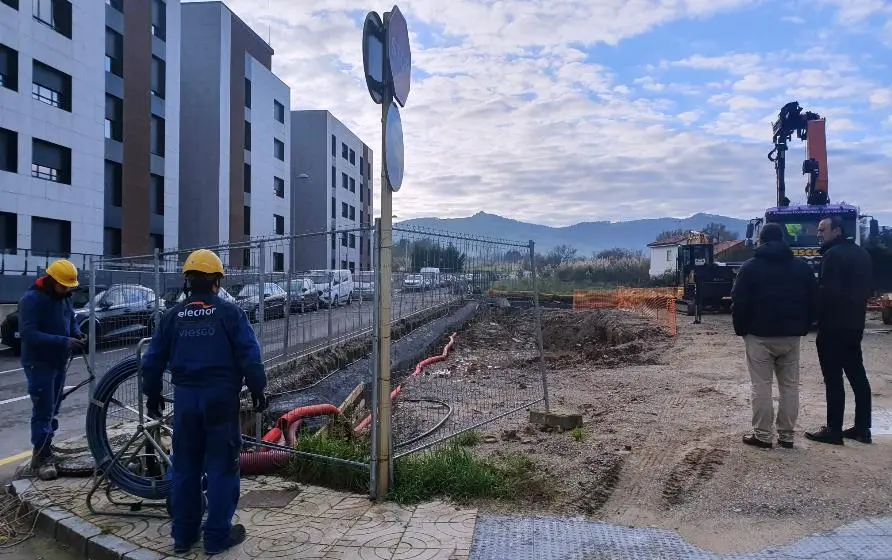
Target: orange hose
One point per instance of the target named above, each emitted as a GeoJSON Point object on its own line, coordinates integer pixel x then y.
{"type": "Point", "coordinates": [287, 420]}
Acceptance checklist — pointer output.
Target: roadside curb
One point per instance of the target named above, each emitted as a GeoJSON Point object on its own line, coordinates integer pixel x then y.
{"type": "Point", "coordinates": [83, 538]}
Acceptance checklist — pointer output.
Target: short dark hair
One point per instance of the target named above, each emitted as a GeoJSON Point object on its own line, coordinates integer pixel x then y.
{"type": "Point", "coordinates": [200, 283]}
{"type": "Point", "coordinates": [835, 223]}
{"type": "Point", "coordinates": [771, 232]}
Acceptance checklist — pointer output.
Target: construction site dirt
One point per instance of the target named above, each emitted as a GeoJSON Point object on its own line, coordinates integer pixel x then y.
{"type": "Point", "coordinates": [663, 419]}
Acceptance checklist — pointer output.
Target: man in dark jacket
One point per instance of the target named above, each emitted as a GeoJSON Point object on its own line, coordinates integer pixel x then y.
{"type": "Point", "coordinates": [772, 307]}
{"type": "Point", "coordinates": [845, 287]}
{"type": "Point", "coordinates": [49, 333]}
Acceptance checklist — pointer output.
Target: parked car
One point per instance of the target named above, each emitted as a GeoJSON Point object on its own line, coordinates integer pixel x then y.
{"type": "Point", "coordinates": [336, 285]}
{"type": "Point", "coordinates": [415, 283]}
{"type": "Point", "coordinates": [305, 294]}
{"type": "Point", "coordinates": [273, 300]}
{"type": "Point", "coordinates": [364, 284]}
{"type": "Point", "coordinates": [9, 328]}
{"type": "Point", "coordinates": [221, 293]}
{"type": "Point", "coordinates": [123, 313]}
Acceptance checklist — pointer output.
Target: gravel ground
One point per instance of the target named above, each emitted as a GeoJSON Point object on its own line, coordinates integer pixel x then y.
{"type": "Point", "coordinates": [663, 420]}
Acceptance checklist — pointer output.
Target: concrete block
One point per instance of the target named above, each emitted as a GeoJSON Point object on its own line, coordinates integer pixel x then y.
{"type": "Point", "coordinates": [74, 533]}
{"type": "Point", "coordinates": [555, 420]}
{"type": "Point", "coordinates": [143, 554]}
{"type": "Point", "coordinates": [48, 518]}
{"type": "Point", "coordinates": [108, 547]}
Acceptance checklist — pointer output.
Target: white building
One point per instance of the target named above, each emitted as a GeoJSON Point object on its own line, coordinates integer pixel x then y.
{"type": "Point", "coordinates": [331, 172]}
{"type": "Point", "coordinates": [664, 255]}
{"type": "Point", "coordinates": [235, 142]}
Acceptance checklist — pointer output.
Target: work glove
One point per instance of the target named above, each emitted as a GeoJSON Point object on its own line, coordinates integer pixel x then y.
{"type": "Point", "coordinates": [154, 407]}
{"type": "Point", "coordinates": [259, 401]}
{"type": "Point", "coordinates": [75, 343]}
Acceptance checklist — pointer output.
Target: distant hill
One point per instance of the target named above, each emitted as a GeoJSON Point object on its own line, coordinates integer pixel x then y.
{"type": "Point", "coordinates": [586, 237]}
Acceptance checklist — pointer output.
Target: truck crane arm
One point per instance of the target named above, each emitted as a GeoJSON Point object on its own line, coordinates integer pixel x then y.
{"type": "Point", "coordinates": [810, 128]}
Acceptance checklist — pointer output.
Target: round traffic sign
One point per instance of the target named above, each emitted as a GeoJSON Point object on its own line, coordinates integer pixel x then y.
{"type": "Point", "coordinates": [394, 150]}
{"type": "Point", "coordinates": [373, 56]}
{"type": "Point", "coordinates": [399, 54]}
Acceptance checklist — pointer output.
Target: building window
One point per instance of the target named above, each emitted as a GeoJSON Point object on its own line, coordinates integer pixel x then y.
{"type": "Point", "coordinates": [279, 187]}
{"type": "Point", "coordinates": [114, 184]}
{"type": "Point", "coordinates": [157, 136]}
{"type": "Point", "coordinates": [9, 227]}
{"type": "Point", "coordinates": [352, 266]}
{"type": "Point", "coordinates": [50, 237]}
{"type": "Point", "coordinates": [369, 170]}
{"type": "Point", "coordinates": [50, 162]}
{"type": "Point", "coordinates": [51, 86]}
{"type": "Point", "coordinates": [111, 246]}
{"type": "Point", "coordinates": [353, 213]}
{"type": "Point", "coordinates": [344, 264]}
{"type": "Point", "coordinates": [361, 167]}
{"type": "Point", "coordinates": [334, 208]}
{"type": "Point", "coordinates": [248, 136]}
{"type": "Point", "coordinates": [159, 77]}
{"type": "Point", "coordinates": [279, 149]}
{"type": "Point", "coordinates": [14, 4]}
{"type": "Point", "coordinates": [9, 151]}
{"type": "Point", "coordinates": [344, 181]}
{"type": "Point", "coordinates": [114, 118]}
{"type": "Point", "coordinates": [114, 52]}
{"type": "Point", "coordinates": [157, 241]}
{"type": "Point", "coordinates": [334, 146]}
{"type": "Point", "coordinates": [278, 262]}
{"type": "Point", "coordinates": [55, 14]}
{"type": "Point", "coordinates": [352, 184]}
{"type": "Point", "coordinates": [361, 196]}
{"type": "Point", "coordinates": [247, 93]}
{"type": "Point", "coordinates": [345, 210]}
{"type": "Point", "coordinates": [668, 256]}
{"type": "Point", "coordinates": [279, 111]}
{"type": "Point", "coordinates": [361, 217]}
{"type": "Point", "coordinates": [343, 239]}
{"type": "Point", "coordinates": [247, 214]}
{"type": "Point", "coordinates": [352, 241]}
{"type": "Point", "coordinates": [352, 157]}
{"type": "Point", "coordinates": [159, 19]}
{"type": "Point", "coordinates": [247, 178]}
{"type": "Point", "coordinates": [116, 4]}
{"type": "Point", "coordinates": [279, 224]}
{"type": "Point", "coordinates": [345, 151]}
{"type": "Point", "coordinates": [334, 177]}
{"type": "Point", "coordinates": [156, 202]}
{"type": "Point", "coordinates": [332, 247]}
{"type": "Point", "coordinates": [9, 68]}
{"type": "Point", "coordinates": [332, 262]}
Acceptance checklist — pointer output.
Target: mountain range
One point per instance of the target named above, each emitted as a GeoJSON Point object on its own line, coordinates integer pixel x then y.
{"type": "Point", "coordinates": [585, 237]}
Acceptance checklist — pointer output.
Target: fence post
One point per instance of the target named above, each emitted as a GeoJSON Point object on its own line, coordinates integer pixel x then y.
{"type": "Point", "coordinates": [373, 370]}
{"type": "Point", "coordinates": [382, 341]}
{"type": "Point", "coordinates": [158, 289]}
{"type": "Point", "coordinates": [287, 338]}
{"type": "Point", "coordinates": [538, 314]}
{"type": "Point", "coordinates": [261, 290]}
{"type": "Point", "coordinates": [91, 328]}
{"type": "Point", "coordinates": [331, 302]}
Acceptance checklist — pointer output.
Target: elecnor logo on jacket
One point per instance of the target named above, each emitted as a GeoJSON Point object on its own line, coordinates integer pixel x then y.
{"type": "Point", "coordinates": [197, 309]}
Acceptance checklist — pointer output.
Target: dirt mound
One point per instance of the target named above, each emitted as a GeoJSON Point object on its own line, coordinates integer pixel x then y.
{"type": "Point", "coordinates": [601, 337]}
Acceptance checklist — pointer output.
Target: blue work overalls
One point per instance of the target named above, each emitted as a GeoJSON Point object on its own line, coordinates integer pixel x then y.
{"type": "Point", "coordinates": [46, 323]}
{"type": "Point", "coordinates": [211, 351]}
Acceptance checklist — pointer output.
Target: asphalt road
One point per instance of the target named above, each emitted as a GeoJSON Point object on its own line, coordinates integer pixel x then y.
{"type": "Point", "coordinates": [305, 330]}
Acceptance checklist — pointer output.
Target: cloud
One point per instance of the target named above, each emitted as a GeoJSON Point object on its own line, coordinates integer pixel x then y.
{"type": "Point", "coordinates": [570, 110]}
{"type": "Point", "coordinates": [881, 97]}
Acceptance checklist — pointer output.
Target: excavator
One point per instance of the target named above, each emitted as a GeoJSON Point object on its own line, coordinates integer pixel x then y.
{"type": "Point", "coordinates": [705, 283]}
{"type": "Point", "coordinates": [800, 222]}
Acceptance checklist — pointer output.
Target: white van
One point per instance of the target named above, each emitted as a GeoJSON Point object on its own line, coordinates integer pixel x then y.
{"type": "Point", "coordinates": [336, 285]}
{"type": "Point", "coordinates": [432, 277]}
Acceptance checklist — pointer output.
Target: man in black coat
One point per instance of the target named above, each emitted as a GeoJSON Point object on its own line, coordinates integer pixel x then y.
{"type": "Point", "coordinates": [772, 307]}
{"type": "Point", "coordinates": [845, 287]}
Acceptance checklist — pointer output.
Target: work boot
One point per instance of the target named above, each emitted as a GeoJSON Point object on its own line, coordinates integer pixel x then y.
{"type": "Point", "coordinates": [852, 433]}
{"type": "Point", "coordinates": [184, 547]}
{"type": "Point", "coordinates": [42, 463]}
{"type": "Point", "coordinates": [236, 537]}
{"type": "Point", "coordinates": [825, 435]}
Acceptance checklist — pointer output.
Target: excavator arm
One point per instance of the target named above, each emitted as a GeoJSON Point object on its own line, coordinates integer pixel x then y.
{"type": "Point", "coordinates": [810, 128]}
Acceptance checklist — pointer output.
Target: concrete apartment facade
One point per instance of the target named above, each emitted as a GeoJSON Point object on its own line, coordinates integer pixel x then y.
{"type": "Point", "coordinates": [235, 150]}
{"type": "Point", "coordinates": [67, 177]}
{"type": "Point", "coordinates": [331, 174]}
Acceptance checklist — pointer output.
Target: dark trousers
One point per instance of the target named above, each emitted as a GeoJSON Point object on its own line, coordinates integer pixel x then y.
{"type": "Point", "coordinates": [45, 386]}
{"type": "Point", "coordinates": [206, 440]}
{"type": "Point", "coordinates": [840, 352]}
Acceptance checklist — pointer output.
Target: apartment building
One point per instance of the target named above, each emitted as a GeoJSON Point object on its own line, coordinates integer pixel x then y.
{"type": "Point", "coordinates": [71, 182]}
{"type": "Point", "coordinates": [235, 183]}
{"type": "Point", "coordinates": [331, 174]}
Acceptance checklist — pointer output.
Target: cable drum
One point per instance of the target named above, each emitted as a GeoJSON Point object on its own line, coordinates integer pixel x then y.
{"type": "Point", "coordinates": [128, 473]}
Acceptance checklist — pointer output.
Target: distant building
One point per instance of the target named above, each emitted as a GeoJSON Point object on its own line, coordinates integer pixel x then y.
{"type": "Point", "coordinates": [331, 174]}
{"type": "Point", "coordinates": [234, 148]}
{"type": "Point", "coordinates": [664, 255]}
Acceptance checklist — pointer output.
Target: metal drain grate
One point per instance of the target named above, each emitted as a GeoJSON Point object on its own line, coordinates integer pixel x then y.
{"type": "Point", "coordinates": [267, 498]}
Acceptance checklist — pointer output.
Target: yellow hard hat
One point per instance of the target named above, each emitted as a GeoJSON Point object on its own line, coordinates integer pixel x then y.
{"type": "Point", "coordinates": [64, 273]}
{"type": "Point", "coordinates": [205, 261]}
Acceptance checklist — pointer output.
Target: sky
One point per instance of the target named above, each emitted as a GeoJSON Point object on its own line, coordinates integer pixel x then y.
{"type": "Point", "coordinates": [562, 111]}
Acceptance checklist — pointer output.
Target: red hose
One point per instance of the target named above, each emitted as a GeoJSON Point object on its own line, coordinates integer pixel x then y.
{"type": "Point", "coordinates": [253, 462]}
{"type": "Point", "coordinates": [418, 370]}
{"type": "Point", "coordinates": [277, 434]}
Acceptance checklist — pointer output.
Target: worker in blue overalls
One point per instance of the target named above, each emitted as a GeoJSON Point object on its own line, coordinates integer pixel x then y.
{"type": "Point", "coordinates": [49, 333]}
{"type": "Point", "coordinates": [211, 351]}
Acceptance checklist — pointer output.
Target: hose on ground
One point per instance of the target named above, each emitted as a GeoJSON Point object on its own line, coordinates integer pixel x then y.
{"type": "Point", "coordinates": [432, 430]}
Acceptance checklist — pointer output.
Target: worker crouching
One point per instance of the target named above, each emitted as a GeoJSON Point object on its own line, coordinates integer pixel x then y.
{"type": "Point", "coordinates": [211, 351]}
{"type": "Point", "coordinates": [49, 333]}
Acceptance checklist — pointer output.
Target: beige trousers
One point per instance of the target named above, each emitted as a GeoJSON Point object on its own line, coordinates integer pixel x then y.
{"type": "Point", "coordinates": [765, 359]}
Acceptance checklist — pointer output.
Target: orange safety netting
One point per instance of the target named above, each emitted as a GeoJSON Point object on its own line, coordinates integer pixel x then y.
{"type": "Point", "coordinates": [655, 303]}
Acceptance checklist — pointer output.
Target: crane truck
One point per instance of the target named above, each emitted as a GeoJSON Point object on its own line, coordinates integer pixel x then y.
{"type": "Point", "coordinates": [800, 222]}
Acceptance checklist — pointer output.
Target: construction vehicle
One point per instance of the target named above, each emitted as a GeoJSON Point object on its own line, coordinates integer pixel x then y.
{"type": "Point", "coordinates": [706, 285]}
{"type": "Point", "coordinates": [800, 222]}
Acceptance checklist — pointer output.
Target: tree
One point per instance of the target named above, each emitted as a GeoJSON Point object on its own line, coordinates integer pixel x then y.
{"type": "Point", "coordinates": [618, 253]}
{"type": "Point", "coordinates": [560, 255]}
{"type": "Point", "coordinates": [426, 253]}
{"type": "Point", "coordinates": [514, 256]}
{"type": "Point", "coordinates": [669, 234]}
{"type": "Point", "coordinates": [719, 232]}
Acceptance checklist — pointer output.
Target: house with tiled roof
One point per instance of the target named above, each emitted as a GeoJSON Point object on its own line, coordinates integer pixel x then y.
{"type": "Point", "coordinates": [664, 253]}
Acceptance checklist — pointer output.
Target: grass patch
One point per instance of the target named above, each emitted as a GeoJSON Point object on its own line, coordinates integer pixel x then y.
{"type": "Point", "coordinates": [578, 434]}
{"type": "Point", "coordinates": [468, 439]}
{"type": "Point", "coordinates": [324, 473]}
{"type": "Point", "coordinates": [453, 471]}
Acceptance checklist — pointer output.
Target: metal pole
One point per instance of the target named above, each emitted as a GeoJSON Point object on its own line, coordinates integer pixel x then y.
{"type": "Point", "coordinates": [286, 340]}
{"type": "Point", "coordinates": [373, 367]}
{"type": "Point", "coordinates": [261, 289]}
{"type": "Point", "coordinates": [91, 328]}
{"type": "Point", "coordinates": [158, 290]}
{"type": "Point", "coordinates": [384, 312]}
{"type": "Point", "coordinates": [331, 300]}
{"type": "Point", "coordinates": [538, 314]}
